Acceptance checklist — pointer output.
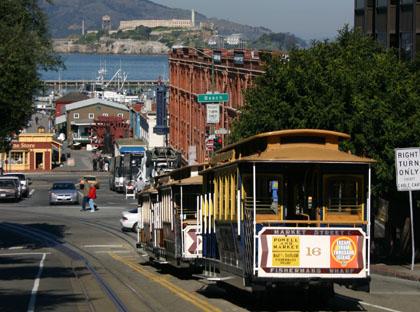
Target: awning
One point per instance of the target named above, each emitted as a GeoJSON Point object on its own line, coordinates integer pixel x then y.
{"type": "Point", "coordinates": [60, 119]}
{"type": "Point", "coordinates": [132, 150]}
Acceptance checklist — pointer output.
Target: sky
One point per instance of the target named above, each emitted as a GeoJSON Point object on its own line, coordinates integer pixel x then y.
{"type": "Point", "coordinates": [308, 19]}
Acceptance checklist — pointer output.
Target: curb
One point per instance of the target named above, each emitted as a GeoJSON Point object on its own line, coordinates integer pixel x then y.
{"type": "Point", "coordinates": [387, 271]}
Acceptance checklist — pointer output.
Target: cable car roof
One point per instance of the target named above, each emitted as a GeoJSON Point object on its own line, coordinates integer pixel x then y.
{"type": "Point", "coordinates": [297, 145]}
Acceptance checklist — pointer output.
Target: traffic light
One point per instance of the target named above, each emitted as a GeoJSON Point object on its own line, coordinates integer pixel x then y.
{"type": "Point", "coordinates": [217, 143]}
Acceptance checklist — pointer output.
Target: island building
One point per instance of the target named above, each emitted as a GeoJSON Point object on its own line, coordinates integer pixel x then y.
{"type": "Point", "coordinates": [192, 72]}
{"type": "Point", "coordinates": [152, 23]}
{"type": "Point", "coordinates": [393, 23]}
{"type": "Point", "coordinates": [106, 23]}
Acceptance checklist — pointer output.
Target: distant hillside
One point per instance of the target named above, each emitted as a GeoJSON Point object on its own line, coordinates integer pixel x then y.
{"type": "Point", "coordinates": [65, 16]}
{"type": "Point", "coordinates": [278, 41]}
{"type": "Point", "coordinates": [65, 19]}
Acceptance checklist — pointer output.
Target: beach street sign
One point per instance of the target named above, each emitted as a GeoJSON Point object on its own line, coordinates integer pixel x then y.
{"type": "Point", "coordinates": [407, 168]}
{"type": "Point", "coordinates": [212, 97]}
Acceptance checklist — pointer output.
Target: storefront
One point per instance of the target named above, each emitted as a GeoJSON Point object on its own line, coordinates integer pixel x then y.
{"type": "Point", "coordinates": [32, 152]}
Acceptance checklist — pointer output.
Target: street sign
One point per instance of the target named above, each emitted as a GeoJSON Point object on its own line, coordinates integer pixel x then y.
{"type": "Point", "coordinates": [213, 113]}
{"type": "Point", "coordinates": [212, 97]}
{"type": "Point", "coordinates": [221, 131]}
{"type": "Point", "coordinates": [209, 145]}
{"type": "Point", "coordinates": [407, 168]}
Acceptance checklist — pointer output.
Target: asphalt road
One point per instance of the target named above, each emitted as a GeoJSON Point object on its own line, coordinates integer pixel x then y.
{"type": "Point", "coordinates": [57, 258]}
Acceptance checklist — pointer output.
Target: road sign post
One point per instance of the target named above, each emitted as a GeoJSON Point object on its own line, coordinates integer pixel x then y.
{"type": "Point", "coordinates": [407, 168]}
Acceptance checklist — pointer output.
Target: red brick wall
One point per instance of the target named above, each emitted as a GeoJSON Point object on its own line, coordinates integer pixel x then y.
{"type": "Point", "coordinates": [190, 74]}
{"type": "Point", "coordinates": [47, 161]}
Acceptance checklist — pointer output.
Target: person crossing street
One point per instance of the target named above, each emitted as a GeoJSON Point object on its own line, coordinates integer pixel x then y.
{"type": "Point", "coordinates": [92, 197]}
{"type": "Point", "coordinates": [85, 199]}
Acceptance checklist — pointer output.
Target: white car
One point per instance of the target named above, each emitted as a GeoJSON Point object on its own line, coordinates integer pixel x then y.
{"type": "Point", "coordinates": [129, 220]}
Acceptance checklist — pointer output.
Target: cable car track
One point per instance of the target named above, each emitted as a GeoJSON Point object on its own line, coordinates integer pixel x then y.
{"type": "Point", "coordinates": [75, 253]}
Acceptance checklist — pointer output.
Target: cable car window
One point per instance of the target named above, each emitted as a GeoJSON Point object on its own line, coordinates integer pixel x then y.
{"type": "Point", "coordinates": [344, 195]}
{"type": "Point", "coordinates": [269, 193]}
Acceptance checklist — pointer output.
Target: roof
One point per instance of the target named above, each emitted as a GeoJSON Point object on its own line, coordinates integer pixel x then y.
{"type": "Point", "coordinates": [95, 101]}
{"type": "Point", "coordinates": [60, 119]}
{"type": "Point", "coordinates": [285, 133]}
{"type": "Point", "coordinates": [307, 153]}
{"type": "Point", "coordinates": [132, 149]}
{"type": "Point", "coordinates": [130, 142]}
{"type": "Point", "coordinates": [299, 145]}
{"type": "Point", "coordinates": [72, 97]}
{"type": "Point", "coordinates": [196, 180]}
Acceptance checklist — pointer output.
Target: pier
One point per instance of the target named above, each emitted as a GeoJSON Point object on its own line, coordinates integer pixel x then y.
{"type": "Point", "coordinates": [79, 84]}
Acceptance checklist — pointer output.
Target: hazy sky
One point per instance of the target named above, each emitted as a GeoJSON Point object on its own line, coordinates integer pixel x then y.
{"type": "Point", "coordinates": [309, 19]}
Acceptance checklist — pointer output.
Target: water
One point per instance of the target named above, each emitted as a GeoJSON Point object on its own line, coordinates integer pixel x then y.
{"type": "Point", "coordinates": [86, 66]}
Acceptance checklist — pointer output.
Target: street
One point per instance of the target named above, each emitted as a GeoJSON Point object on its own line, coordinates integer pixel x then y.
{"type": "Point", "coordinates": [58, 258]}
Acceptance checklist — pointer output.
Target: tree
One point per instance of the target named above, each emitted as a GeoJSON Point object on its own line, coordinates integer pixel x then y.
{"type": "Point", "coordinates": [25, 48]}
{"type": "Point", "coordinates": [350, 85]}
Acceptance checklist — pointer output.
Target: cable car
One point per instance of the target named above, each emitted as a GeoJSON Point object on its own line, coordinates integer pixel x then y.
{"type": "Point", "coordinates": [286, 208]}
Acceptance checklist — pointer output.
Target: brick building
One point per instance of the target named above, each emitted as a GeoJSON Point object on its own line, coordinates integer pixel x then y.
{"type": "Point", "coordinates": [190, 73]}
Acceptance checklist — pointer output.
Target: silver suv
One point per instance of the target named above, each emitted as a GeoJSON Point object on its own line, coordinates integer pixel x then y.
{"type": "Point", "coordinates": [24, 182]}
{"type": "Point", "coordinates": [9, 188]}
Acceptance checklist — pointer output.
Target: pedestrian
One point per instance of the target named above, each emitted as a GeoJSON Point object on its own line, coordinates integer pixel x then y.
{"type": "Point", "coordinates": [85, 199]}
{"type": "Point", "coordinates": [95, 164]}
{"type": "Point", "coordinates": [92, 197]}
{"type": "Point", "coordinates": [140, 184]}
{"type": "Point", "coordinates": [101, 164]}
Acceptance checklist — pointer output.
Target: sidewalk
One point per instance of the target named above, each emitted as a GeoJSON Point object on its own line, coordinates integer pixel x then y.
{"type": "Point", "coordinates": [82, 161]}
{"type": "Point", "coordinates": [399, 271]}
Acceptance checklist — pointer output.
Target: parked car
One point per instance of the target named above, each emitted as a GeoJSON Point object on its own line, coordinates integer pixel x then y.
{"type": "Point", "coordinates": [129, 220]}
{"type": "Point", "coordinates": [8, 189]}
{"type": "Point", "coordinates": [63, 192]}
{"type": "Point", "coordinates": [24, 182]}
{"type": "Point", "coordinates": [90, 180]}
{"type": "Point", "coordinates": [15, 180]}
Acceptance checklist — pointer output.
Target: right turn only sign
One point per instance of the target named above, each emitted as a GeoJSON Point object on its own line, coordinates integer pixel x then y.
{"type": "Point", "coordinates": [407, 167]}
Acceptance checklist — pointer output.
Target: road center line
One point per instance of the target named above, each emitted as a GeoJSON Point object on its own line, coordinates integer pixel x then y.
{"type": "Point", "coordinates": [24, 254]}
{"type": "Point", "coordinates": [31, 192]}
{"type": "Point", "coordinates": [193, 299]}
{"type": "Point", "coordinates": [31, 305]}
{"type": "Point", "coordinates": [103, 246]}
{"type": "Point", "coordinates": [378, 306]}
{"type": "Point", "coordinates": [368, 304]}
{"type": "Point", "coordinates": [114, 251]}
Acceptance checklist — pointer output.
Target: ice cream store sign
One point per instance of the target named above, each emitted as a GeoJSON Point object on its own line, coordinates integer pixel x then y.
{"type": "Point", "coordinates": [407, 167]}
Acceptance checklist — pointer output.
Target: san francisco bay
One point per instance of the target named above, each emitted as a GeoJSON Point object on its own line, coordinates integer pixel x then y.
{"type": "Point", "coordinates": [86, 66]}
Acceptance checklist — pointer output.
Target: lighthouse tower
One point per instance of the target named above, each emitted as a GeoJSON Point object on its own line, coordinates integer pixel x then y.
{"type": "Point", "coordinates": [193, 18]}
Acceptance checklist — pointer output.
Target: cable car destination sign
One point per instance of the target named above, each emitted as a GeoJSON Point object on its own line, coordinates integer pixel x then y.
{"type": "Point", "coordinates": [407, 167]}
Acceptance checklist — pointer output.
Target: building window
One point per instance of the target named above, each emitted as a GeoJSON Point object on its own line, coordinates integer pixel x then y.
{"type": "Point", "coordinates": [360, 4]}
{"type": "Point", "coordinates": [105, 114]}
{"type": "Point", "coordinates": [120, 115]}
{"type": "Point", "coordinates": [406, 45]}
{"type": "Point", "coordinates": [76, 116]}
{"type": "Point", "coordinates": [381, 3]}
{"type": "Point", "coordinates": [382, 38]}
{"type": "Point", "coordinates": [91, 115]}
{"type": "Point", "coordinates": [16, 158]}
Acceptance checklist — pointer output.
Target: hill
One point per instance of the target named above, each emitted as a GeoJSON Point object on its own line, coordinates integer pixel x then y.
{"type": "Point", "coordinates": [278, 41]}
{"type": "Point", "coordinates": [65, 16]}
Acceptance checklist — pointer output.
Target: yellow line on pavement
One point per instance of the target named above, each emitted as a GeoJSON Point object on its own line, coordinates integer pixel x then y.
{"type": "Point", "coordinates": [162, 280]}
{"type": "Point", "coordinates": [198, 302]}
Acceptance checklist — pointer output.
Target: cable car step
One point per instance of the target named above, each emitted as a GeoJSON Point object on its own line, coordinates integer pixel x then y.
{"type": "Point", "coordinates": [160, 261]}
{"type": "Point", "coordinates": [219, 278]}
